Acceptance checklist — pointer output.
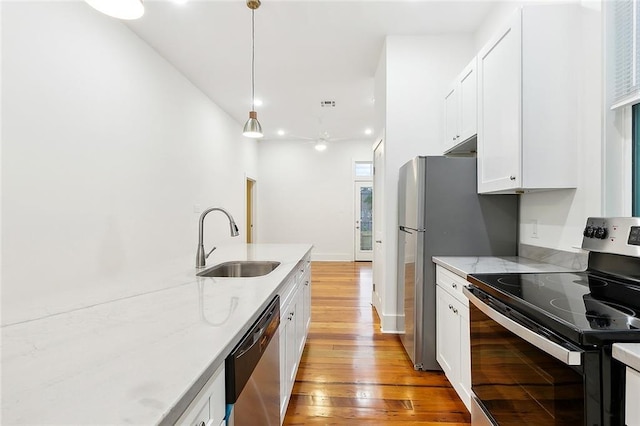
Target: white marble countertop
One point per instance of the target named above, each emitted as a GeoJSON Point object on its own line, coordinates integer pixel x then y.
{"type": "Point", "coordinates": [628, 354]}
{"type": "Point", "coordinates": [466, 265]}
{"type": "Point", "coordinates": [136, 359]}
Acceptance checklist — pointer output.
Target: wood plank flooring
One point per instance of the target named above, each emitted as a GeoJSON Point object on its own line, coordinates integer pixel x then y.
{"type": "Point", "coordinates": [351, 373]}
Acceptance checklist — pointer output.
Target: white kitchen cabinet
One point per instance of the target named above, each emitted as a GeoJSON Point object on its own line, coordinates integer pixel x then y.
{"type": "Point", "coordinates": [295, 316]}
{"type": "Point", "coordinates": [632, 397]}
{"type": "Point", "coordinates": [208, 407]}
{"type": "Point", "coordinates": [453, 352]}
{"type": "Point", "coordinates": [306, 282]}
{"type": "Point", "coordinates": [460, 111]}
{"type": "Point", "coordinates": [447, 325]}
{"type": "Point", "coordinates": [527, 102]}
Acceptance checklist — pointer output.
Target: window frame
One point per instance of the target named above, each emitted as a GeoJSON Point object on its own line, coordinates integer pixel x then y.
{"type": "Point", "coordinates": [635, 161]}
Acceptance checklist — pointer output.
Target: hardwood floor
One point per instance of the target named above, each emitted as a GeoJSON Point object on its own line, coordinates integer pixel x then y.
{"type": "Point", "coordinates": [351, 373]}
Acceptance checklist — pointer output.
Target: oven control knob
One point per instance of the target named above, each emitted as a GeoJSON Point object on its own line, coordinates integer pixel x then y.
{"type": "Point", "coordinates": [588, 232]}
{"type": "Point", "coordinates": [601, 233]}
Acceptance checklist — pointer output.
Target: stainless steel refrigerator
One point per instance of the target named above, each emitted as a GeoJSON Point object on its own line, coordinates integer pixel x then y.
{"type": "Point", "coordinates": [441, 214]}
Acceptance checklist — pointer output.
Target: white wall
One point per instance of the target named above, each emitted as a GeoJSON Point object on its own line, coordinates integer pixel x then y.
{"type": "Point", "coordinates": [561, 215]}
{"type": "Point", "coordinates": [306, 196]}
{"type": "Point", "coordinates": [106, 149]}
{"type": "Point", "coordinates": [418, 71]}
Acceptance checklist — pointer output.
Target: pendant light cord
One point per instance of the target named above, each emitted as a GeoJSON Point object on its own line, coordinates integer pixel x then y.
{"type": "Point", "coordinates": [253, 60]}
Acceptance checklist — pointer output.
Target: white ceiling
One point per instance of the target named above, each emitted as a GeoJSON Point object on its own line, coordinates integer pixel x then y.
{"type": "Point", "coordinates": [306, 52]}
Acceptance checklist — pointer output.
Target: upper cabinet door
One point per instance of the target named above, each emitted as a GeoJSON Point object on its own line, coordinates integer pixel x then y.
{"type": "Point", "coordinates": [460, 110]}
{"type": "Point", "coordinates": [468, 96]}
{"type": "Point", "coordinates": [500, 109]}
{"type": "Point", "coordinates": [451, 108]}
{"type": "Point", "coordinates": [528, 102]}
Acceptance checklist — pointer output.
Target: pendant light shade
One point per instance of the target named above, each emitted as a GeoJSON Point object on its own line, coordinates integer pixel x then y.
{"type": "Point", "coordinates": [252, 128]}
{"type": "Point", "coordinates": [121, 9]}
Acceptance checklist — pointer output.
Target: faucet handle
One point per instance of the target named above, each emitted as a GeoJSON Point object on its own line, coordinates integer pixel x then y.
{"type": "Point", "coordinates": [211, 251]}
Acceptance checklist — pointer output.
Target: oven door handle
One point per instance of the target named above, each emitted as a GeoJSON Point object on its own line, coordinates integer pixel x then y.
{"type": "Point", "coordinates": [555, 350]}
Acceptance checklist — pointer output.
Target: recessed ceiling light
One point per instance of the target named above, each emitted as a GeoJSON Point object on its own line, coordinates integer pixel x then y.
{"type": "Point", "coordinates": [280, 132]}
{"type": "Point", "coordinates": [368, 131]}
{"type": "Point", "coordinates": [258, 102]}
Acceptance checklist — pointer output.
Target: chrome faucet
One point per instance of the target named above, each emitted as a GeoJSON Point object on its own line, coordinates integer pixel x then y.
{"type": "Point", "coordinates": [200, 256]}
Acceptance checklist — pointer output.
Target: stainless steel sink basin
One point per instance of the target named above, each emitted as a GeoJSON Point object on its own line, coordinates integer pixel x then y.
{"type": "Point", "coordinates": [240, 269]}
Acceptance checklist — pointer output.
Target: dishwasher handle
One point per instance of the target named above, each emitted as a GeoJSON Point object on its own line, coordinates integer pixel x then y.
{"type": "Point", "coordinates": [245, 356]}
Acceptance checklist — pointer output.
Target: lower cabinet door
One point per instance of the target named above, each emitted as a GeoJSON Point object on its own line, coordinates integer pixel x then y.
{"type": "Point", "coordinates": [447, 334]}
{"type": "Point", "coordinates": [284, 387]}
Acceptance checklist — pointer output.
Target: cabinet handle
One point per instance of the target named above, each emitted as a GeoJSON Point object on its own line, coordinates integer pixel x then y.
{"type": "Point", "coordinates": [512, 177]}
{"type": "Point", "coordinates": [454, 285]}
{"type": "Point", "coordinates": [451, 307]}
{"type": "Point", "coordinates": [455, 311]}
{"type": "Point", "coordinates": [306, 282]}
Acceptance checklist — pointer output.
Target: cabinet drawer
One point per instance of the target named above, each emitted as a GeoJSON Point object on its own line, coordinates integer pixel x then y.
{"type": "Point", "coordinates": [452, 284]}
{"type": "Point", "coordinates": [287, 293]}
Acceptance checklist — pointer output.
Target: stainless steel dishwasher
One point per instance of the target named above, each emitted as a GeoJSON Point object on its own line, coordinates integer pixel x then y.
{"type": "Point", "coordinates": [252, 373]}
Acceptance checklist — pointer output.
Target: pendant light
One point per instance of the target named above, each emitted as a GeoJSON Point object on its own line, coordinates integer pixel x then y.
{"type": "Point", "coordinates": [252, 128]}
{"type": "Point", "coordinates": [121, 9]}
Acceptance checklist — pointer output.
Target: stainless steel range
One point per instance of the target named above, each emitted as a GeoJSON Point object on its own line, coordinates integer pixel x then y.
{"type": "Point", "coordinates": [541, 343]}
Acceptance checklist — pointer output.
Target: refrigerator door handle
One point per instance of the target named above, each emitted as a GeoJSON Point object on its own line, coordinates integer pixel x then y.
{"type": "Point", "coordinates": [405, 229]}
{"type": "Point", "coordinates": [408, 230]}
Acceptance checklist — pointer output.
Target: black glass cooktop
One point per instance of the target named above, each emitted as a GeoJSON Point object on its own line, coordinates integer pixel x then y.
{"type": "Point", "coordinates": [585, 307]}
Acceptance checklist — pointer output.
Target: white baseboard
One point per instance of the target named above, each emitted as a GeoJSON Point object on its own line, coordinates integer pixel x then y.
{"type": "Point", "coordinates": [388, 323]}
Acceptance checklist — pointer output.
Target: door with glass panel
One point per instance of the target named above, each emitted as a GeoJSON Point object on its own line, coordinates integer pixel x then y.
{"type": "Point", "coordinates": [364, 221]}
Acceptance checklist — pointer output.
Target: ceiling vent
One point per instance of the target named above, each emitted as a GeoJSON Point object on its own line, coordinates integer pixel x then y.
{"type": "Point", "coordinates": [328, 104]}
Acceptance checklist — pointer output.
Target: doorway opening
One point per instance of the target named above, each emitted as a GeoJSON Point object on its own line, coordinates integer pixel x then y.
{"type": "Point", "coordinates": [251, 190]}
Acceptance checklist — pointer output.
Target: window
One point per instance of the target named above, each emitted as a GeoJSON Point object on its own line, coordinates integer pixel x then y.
{"type": "Point", "coordinates": [363, 170]}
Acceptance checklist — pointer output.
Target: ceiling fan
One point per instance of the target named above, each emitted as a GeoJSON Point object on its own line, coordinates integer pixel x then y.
{"type": "Point", "coordinates": [320, 142]}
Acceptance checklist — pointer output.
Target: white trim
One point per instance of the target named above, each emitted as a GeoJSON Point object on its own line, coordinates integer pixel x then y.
{"type": "Point", "coordinates": [631, 100]}
{"type": "Point", "coordinates": [627, 162]}
{"type": "Point", "coordinates": [388, 324]}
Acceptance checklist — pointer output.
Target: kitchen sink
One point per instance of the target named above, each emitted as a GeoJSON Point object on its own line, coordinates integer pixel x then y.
{"type": "Point", "coordinates": [240, 269]}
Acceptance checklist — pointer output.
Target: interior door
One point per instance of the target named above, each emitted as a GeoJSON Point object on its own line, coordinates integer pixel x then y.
{"type": "Point", "coordinates": [364, 221]}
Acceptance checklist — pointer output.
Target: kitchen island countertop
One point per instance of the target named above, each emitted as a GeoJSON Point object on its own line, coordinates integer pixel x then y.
{"type": "Point", "coordinates": [136, 359]}
{"type": "Point", "coordinates": [628, 354]}
{"type": "Point", "coordinates": [467, 265]}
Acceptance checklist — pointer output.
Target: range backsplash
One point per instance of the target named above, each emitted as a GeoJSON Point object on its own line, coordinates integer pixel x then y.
{"type": "Point", "coordinates": [571, 260]}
